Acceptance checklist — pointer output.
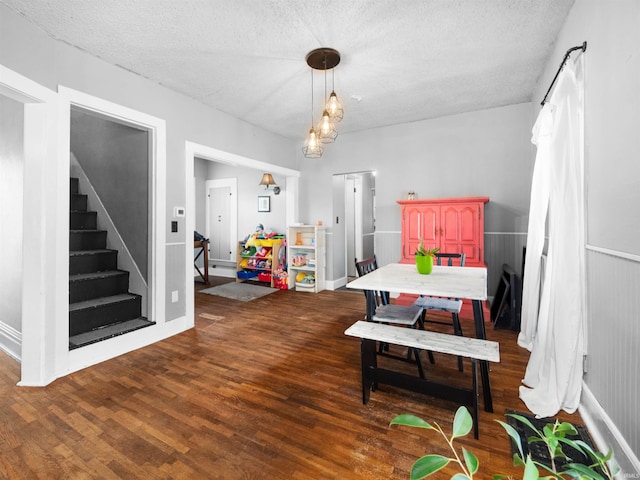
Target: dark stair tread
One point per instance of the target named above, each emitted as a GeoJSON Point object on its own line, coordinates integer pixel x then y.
{"type": "Point", "coordinates": [99, 302]}
{"type": "Point", "coordinates": [74, 253]}
{"type": "Point", "coordinates": [95, 275]}
{"type": "Point", "coordinates": [86, 230]}
{"type": "Point", "coordinates": [107, 332]}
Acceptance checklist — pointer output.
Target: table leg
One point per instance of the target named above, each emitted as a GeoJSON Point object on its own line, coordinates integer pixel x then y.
{"type": "Point", "coordinates": [205, 246]}
{"type": "Point", "coordinates": [369, 362]}
{"type": "Point", "coordinates": [478, 318]}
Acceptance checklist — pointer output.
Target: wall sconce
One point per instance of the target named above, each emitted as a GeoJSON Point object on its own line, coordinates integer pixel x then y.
{"type": "Point", "coordinates": [268, 181]}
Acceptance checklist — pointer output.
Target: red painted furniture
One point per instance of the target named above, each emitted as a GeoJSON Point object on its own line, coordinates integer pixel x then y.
{"type": "Point", "coordinates": [455, 225]}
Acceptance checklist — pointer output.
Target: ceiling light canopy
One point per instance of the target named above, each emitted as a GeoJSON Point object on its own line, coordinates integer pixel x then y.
{"type": "Point", "coordinates": [323, 59]}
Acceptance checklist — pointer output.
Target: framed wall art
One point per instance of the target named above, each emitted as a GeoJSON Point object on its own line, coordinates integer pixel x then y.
{"type": "Point", "coordinates": [264, 204]}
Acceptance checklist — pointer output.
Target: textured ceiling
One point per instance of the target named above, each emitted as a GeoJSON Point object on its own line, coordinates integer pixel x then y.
{"type": "Point", "coordinates": [402, 60]}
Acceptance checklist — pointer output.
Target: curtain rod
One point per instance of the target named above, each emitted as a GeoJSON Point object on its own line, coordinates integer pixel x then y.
{"type": "Point", "coordinates": [582, 47]}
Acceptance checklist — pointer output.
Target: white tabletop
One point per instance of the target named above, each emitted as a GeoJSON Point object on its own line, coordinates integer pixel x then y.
{"type": "Point", "coordinates": [455, 282]}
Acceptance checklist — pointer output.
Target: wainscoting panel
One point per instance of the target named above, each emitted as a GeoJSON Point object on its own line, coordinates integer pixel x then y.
{"type": "Point", "coordinates": [387, 247]}
{"type": "Point", "coordinates": [501, 248]}
{"type": "Point", "coordinates": [176, 281]}
{"type": "Point", "coordinates": [613, 360]}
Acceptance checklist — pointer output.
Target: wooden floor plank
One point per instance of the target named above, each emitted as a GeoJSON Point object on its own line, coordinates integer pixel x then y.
{"type": "Point", "coordinates": [266, 389]}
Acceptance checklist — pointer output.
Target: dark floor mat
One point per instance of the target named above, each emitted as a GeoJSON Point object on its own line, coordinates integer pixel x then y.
{"type": "Point", "coordinates": [538, 450]}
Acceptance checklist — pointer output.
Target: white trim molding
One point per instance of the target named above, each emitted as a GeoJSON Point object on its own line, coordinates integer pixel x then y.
{"type": "Point", "coordinates": [606, 435]}
{"type": "Point", "coordinates": [614, 253]}
{"type": "Point", "coordinates": [193, 150]}
{"type": "Point", "coordinates": [10, 341]}
{"type": "Point", "coordinates": [70, 361]}
{"type": "Point", "coordinates": [40, 309]}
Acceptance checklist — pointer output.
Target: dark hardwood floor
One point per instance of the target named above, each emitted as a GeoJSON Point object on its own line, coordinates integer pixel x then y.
{"type": "Point", "coordinates": [267, 389]}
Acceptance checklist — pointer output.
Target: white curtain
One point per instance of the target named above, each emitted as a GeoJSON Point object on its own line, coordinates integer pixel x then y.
{"type": "Point", "coordinates": [553, 316]}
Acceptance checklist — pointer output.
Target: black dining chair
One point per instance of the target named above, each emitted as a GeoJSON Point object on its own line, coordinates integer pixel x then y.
{"type": "Point", "coordinates": [383, 311]}
{"type": "Point", "coordinates": [447, 305]}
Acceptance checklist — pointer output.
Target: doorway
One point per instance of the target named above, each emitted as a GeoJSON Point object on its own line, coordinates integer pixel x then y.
{"type": "Point", "coordinates": [356, 199]}
{"type": "Point", "coordinates": [221, 219]}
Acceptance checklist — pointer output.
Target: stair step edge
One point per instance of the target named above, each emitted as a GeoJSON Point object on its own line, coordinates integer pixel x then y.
{"type": "Point", "coordinates": [78, 277]}
{"type": "Point", "coordinates": [74, 253]}
{"type": "Point", "coordinates": [109, 331]}
{"type": "Point", "coordinates": [102, 301]}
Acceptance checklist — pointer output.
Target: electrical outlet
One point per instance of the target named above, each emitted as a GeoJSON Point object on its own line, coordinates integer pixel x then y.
{"type": "Point", "coordinates": [174, 296]}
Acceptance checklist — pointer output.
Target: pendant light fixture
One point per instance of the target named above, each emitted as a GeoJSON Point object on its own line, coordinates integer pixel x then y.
{"type": "Point", "coordinates": [326, 129]}
{"type": "Point", "coordinates": [322, 59]}
{"type": "Point", "coordinates": [312, 147]}
{"type": "Point", "coordinates": [333, 107]}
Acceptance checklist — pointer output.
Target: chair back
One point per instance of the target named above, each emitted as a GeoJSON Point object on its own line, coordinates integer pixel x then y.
{"type": "Point", "coordinates": [368, 265]}
{"type": "Point", "coordinates": [451, 259]}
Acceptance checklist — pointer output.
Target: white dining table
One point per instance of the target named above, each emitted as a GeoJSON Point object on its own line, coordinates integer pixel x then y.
{"type": "Point", "coordinates": [468, 283]}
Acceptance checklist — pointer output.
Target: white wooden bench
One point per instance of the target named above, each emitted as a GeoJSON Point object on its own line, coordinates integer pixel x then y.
{"type": "Point", "coordinates": [472, 348]}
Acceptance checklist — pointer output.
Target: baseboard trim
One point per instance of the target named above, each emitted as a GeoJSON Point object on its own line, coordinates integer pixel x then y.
{"type": "Point", "coordinates": [11, 341]}
{"type": "Point", "coordinates": [335, 284]}
{"type": "Point", "coordinates": [606, 435]}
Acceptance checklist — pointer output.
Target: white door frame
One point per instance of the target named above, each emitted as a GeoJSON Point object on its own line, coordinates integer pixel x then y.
{"type": "Point", "coordinates": [98, 352]}
{"type": "Point", "coordinates": [193, 150]}
{"type": "Point", "coordinates": [43, 310]}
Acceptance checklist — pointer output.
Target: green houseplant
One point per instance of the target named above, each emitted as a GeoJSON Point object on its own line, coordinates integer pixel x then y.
{"type": "Point", "coordinates": [424, 258]}
{"type": "Point", "coordinates": [553, 435]}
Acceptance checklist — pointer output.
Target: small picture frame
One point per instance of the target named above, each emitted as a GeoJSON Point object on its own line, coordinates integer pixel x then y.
{"type": "Point", "coordinates": [264, 204]}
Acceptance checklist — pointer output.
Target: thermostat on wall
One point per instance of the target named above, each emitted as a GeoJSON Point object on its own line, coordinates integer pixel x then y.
{"type": "Point", "coordinates": [178, 212]}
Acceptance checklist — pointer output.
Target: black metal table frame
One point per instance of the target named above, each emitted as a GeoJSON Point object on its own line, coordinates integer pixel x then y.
{"type": "Point", "coordinates": [371, 374]}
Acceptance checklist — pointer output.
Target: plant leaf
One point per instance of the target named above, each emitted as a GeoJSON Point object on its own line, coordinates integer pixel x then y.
{"type": "Point", "coordinates": [581, 471]}
{"type": "Point", "coordinates": [462, 423]}
{"type": "Point", "coordinates": [518, 461]}
{"type": "Point", "coordinates": [460, 476]}
{"type": "Point", "coordinates": [530, 470]}
{"type": "Point", "coordinates": [470, 460]}
{"type": "Point", "coordinates": [526, 421]}
{"type": "Point", "coordinates": [513, 433]}
{"type": "Point", "coordinates": [411, 421]}
{"type": "Point", "coordinates": [427, 465]}
{"type": "Point", "coordinates": [565, 428]}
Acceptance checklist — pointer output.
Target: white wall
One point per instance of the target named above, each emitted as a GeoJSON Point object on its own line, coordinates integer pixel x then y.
{"type": "Point", "coordinates": [51, 64]}
{"type": "Point", "coordinates": [611, 400]}
{"type": "Point", "coordinates": [483, 153]}
{"type": "Point", "coordinates": [11, 193]}
{"type": "Point", "coordinates": [248, 192]}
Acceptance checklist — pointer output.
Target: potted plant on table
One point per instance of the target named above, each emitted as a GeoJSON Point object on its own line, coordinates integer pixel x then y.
{"type": "Point", "coordinates": [424, 258]}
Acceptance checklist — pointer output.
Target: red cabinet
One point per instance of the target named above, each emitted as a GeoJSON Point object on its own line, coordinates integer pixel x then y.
{"type": "Point", "coordinates": [455, 225]}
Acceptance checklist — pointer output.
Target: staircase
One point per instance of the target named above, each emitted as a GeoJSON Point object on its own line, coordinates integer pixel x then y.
{"type": "Point", "coordinates": [100, 305]}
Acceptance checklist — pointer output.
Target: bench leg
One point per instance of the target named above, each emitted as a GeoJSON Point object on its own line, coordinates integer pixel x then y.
{"type": "Point", "coordinates": [368, 360]}
{"type": "Point", "coordinates": [416, 354]}
{"type": "Point", "coordinates": [421, 327]}
{"type": "Point", "coordinates": [457, 329]}
{"type": "Point", "coordinates": [478, 318]}
{"type": "Point", "coordinates": [476, 410]}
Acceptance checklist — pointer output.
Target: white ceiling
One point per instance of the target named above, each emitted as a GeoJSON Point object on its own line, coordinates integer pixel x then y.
{"type": "Point", "coordinates": [402, 60]}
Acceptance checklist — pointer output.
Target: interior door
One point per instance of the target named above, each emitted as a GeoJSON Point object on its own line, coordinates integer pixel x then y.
{"type": "Point", "coordinates": [368, 222]}
{"type": "Point", "coordinates": [350, 224]}
{"type": "Point", "coordinates": [219, 199]}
